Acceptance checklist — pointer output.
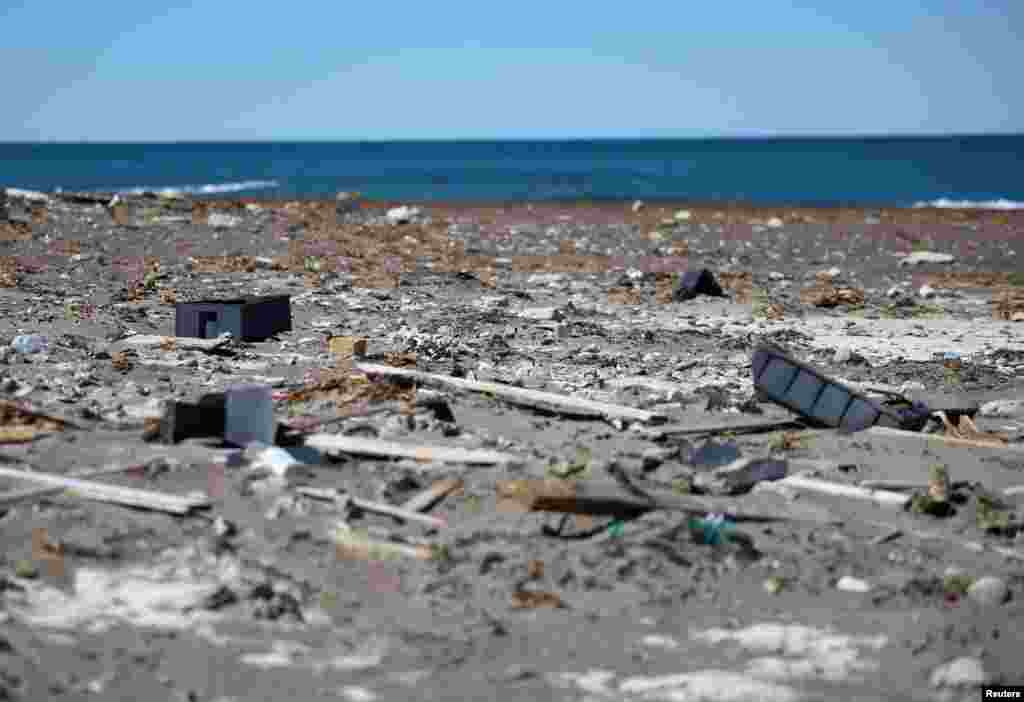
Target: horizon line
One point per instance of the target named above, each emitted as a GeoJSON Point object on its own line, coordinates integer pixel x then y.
{"type": "Point", "coordinates": [447, 140]}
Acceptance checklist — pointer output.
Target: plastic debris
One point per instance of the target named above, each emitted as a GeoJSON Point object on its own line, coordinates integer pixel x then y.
{"type": "Point", "coordinates": [694, 283]}
{"type": "Point", "coordinates": [30, 343]}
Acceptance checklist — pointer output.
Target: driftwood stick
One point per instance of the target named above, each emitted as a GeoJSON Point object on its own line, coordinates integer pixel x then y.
{"type": "Point", "coordinates": [335, 495]}
{"type": "Point", "coordinates": [611, 499]}
{"type": "Point", "coordinates": [432, 495]}
{"type": "Point", "coordinates": [825, 487]}
{"type": "Point", "coordinates": [944, 440]}
{"type": "Point", "coordinates": [334, 443]}
{"type": "Point", "coordinates": [571, 406]}
{"type": "Point", "coordinates": [102, 492]}
{"type": "Point", "coordinates": [30, 494]}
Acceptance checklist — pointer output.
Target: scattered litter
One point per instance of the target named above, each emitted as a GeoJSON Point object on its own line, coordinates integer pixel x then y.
{"type": "Point", "coordinates": [344, 499]}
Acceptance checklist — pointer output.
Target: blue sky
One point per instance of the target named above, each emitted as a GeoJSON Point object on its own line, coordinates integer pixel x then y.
{"type": "Point", "coordinates": [138, 70]}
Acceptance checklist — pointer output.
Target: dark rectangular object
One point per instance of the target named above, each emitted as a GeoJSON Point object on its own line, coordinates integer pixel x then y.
{"type": "Point", "coordinates": [824, 401]}
{"type": "Point", "coordinates": [184, 420]}
{"type": "Point", "coordinates": [248, 318]}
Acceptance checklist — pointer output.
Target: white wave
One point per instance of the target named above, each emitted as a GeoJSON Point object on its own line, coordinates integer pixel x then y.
{"type": "Point", "coordinates": [1000, 204]}
{"type": "Point", "coordinates": [207, 189]}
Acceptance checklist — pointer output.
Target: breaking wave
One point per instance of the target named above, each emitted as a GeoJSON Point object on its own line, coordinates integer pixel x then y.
{"type": "Point", "coordinates": [1000, 204]}
{"type": "Point", "coordinates": [207, 189]}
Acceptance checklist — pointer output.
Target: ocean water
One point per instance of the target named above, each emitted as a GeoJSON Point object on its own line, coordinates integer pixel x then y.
{"type": "Point", "coordinates": [969, 171]}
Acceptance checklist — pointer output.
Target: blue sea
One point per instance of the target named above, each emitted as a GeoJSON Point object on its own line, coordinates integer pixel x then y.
{"type": "Point", "coordinates": [950, 171]}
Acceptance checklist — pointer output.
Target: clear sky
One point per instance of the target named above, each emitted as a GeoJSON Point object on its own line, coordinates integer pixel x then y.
{"type": "Point", "coordinates": [137, 70]}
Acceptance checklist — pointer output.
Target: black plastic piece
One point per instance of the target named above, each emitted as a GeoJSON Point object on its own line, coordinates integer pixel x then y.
{"type": "Point", "coordinates": [696, 283]}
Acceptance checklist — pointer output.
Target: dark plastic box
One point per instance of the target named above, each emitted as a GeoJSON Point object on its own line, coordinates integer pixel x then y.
{"type": "Point", "coordinates": [247, 318]}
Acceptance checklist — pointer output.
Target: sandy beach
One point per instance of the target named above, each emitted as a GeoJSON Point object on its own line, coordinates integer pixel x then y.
{"type": "Point", "coordinates": [250, 598]}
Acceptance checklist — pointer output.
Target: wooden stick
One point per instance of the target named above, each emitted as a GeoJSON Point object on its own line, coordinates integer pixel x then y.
{"type": "Point", "coordinates": [570, 406]}
{"type": "Point", "coordinates": [824, 487]}
{"type": "Point", "coordinates": [30, 494]}
{"type": "Point", "coordinates": [352, 545]}
{"type": "Point", "coordinates": [102, 492]}
{"type": "Point", "coordinates": [739, 428]}
{"type": "Point", "coordinates": [432, 495]}
{"type": "Point", "coordinates": [1015, 490]}
{"type": "Point", "coordinates": [336, 495]}
{"type": "Point", "coordinates": [334, 443]}
{"type": "Point", "coordinates": [948, 441]}
{"type": "Point", "coordinates": [892, 485]}
{"type": "Point", "coordinates": [611, 499]}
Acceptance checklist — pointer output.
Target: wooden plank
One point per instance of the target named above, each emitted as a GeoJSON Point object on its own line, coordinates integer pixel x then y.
{"type": "Point", "coordinates": [102, 492]}
{"type": "Point", "coordinates": [335, 443]}
{"type": "Point", "coordinates": [942, 440]}
{"type": "Point", "coordinates": [14, 497]}
{"type": "Point", "coordinates": [563, 404]}
{"type": "Point", "coordinates": [825, 487]}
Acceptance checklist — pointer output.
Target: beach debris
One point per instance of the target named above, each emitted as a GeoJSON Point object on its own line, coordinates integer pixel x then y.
{"type": "Point", "coordinates": [1002, 408]}
{"type": "Point", "coordinates": [741, 475]}
{"type": "Point", "coordinates": [637, 206]}
{"type": "Point", "coordinates": [353, 544]}
{"type": "Point", "coordinates": [102, 492]}
{"type": "Point", "coordinates": [1009, 305]}
{"type": "Point", "coordinates": [825, 487]}
{"type": "Point", "coordinates": [249, 415]}
{"type": "Point", "coordinates": [995, 517]}
{"type": "Point", "coordinates": [252, 318]}
{"type": "Point", "coordinates": [717, 530]}
{"type": "Point", "coordinates": [346, 350]}
{"type": "Point", "coordinates": [825, 294]}
{"type": "Point", "coordinates": [967, 430]}
{"type": "Point", "coordinates": [694, 283]}
{"type": "Point", "coordinates": [432, 495]}
{"type": "Point", "coordinates": [173, 343]}
{"type": "Point", "coordinates": [918, 257]}
{"type": "Point", "coordinates": [824, 401]}
{"type": "Point", "coordinates": [199, 420]}
{"type": "Point", "coordinates": [19, 423]}
{"type": "Point", "coordinates": [344, 499]}
{"type": "Point", "coordinates": [551, 402]}
{"type": "Point", "coordinates": [612, 499]}
{"type": "Point", "coordinates": [30, 343]}
{"type": "Point", "coordinates": [945, 440]}
{"type": "Point", "coordinates": [336, 444]}
{"type": "Point", "coordinates": [528, 599]}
